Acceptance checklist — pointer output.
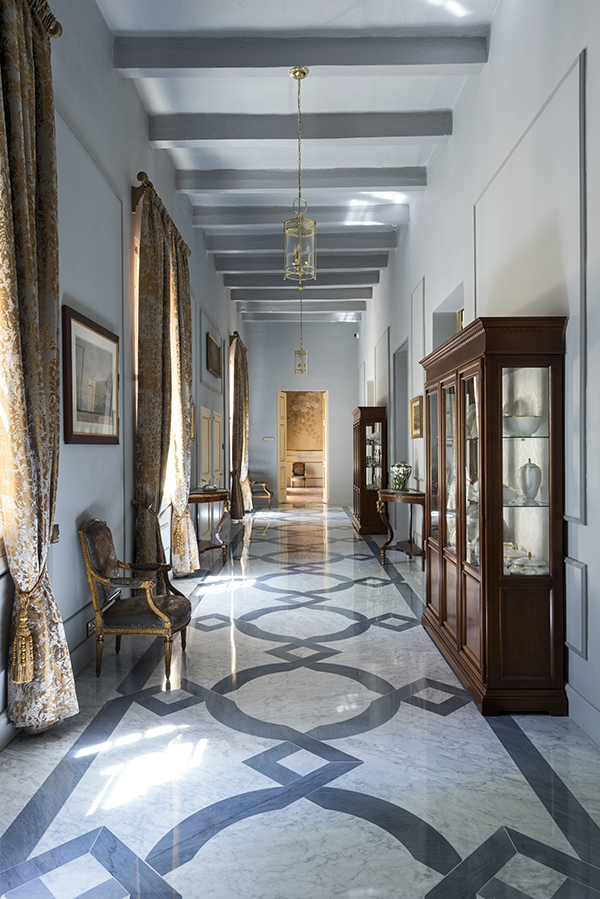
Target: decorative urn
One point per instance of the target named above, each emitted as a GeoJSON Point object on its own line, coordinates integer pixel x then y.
{"type": "Point", "coordinates": [530, 478]}
{"type": "Point", "coordinates": [401, 472]}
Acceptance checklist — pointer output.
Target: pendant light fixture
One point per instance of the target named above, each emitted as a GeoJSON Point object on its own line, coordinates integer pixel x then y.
{"type": "Point", "coordinates": [299, 235]}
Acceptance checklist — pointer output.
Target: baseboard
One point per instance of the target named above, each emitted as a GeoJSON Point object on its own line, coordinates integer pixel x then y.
{"type": "Point", "coordinates": [82, 655]}
{"type": "Point", "coordinates": [7, 731]}
{"type": "Point", "coordinates": [584, 714]}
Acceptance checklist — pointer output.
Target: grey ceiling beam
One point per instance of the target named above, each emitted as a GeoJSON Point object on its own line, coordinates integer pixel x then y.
{"type": "Point", "coordinates": [290, 294]}
{"type": "Point", "coordinates": [347, 240]}
{"type": "Point", "coordinates": [403, 178]}
{"type": "Point", "coordinates": [307, 306]}
{"type": "Point", "coordinates": [162, 55]}
{"type": "Point", "coordinates": [306, 317]}
{"type": "Point", "coordinates": [324, 279]}
{"type": "Point", "coordinates": [261, 263]}
{"type": "Point", "coordinates": [185, 129]}
{"type": "Point", "coordinates": [381, 213]}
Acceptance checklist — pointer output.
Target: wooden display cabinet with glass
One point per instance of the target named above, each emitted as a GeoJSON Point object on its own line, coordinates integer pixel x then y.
{"type": "Point", "coordinates": [494, 510]}
{"type": "Point", "coordinates": [370, 467]}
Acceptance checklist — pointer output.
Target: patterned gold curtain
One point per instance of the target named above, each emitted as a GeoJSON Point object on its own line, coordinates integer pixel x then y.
{"type": "Point", "coordinates": [184, 546]}
{"type": "Point", "coordinates": [241, 492]}
{"type": "Point", "coordinates": [41, 688]}
{"type": "Point", "coordinates": [164, 384]}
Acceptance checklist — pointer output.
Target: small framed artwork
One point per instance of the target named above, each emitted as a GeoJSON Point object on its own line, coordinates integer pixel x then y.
{"type": "Point", "coordinates": [213, 355]}
{"type": "Point", "coordinates": [90, 380]}
{"type": "Point", "coordinates": [416, 417]}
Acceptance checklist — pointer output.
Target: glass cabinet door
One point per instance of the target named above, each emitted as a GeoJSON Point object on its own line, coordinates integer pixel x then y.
{"type": "Point", "coordinates": [449, 394]}
{"type": "Point", "coordinates": [434, 522]}
{"type": "Point", "coordinates": [471, 405]}
{"type": "Point", "coordinates": [525, 471]}
{"type": "Point", "coordinates": [373, 467]}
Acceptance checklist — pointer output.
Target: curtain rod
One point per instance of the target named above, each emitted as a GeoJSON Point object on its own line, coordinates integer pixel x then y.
{"type": "Point", "coordinates": [49, 20]}
{"type": "Point", "coordinates": [137, 192]}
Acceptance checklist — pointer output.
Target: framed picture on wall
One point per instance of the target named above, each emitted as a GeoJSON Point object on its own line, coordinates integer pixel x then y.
{"type": "Point", "coordinates": [213, 355]}
{"type": "Point", "coordinates": [416, 417]}
{"type": "Point", "coordinates": [90, 380]}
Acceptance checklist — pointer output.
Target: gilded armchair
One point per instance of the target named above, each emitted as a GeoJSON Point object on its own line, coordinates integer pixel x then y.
{"type": "Point", "coordinates": [143, 613]}
{"type": "Point", "coordinates": [259, 488]}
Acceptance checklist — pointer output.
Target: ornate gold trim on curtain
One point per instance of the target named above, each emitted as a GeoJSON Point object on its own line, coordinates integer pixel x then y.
{"type": "Point", "coordinates": [41, 688]}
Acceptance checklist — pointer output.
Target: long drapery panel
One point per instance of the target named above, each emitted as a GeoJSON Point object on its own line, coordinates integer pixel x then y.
{"type": "Point", "coordinates": [241, 491]}
{"type": "Point", "coordinates": [164, 384]}
{"type": "Point", "coordinates": [41, 688]}
{"type": "Point", "coordinates": [184, 545]}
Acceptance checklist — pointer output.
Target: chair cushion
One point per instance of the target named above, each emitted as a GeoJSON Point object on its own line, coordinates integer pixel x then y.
{"type": "Point", "coordinates": [134, 611]}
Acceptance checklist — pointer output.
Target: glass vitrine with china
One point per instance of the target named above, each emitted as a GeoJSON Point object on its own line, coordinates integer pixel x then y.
{"type": "Point", "coordinates": [370, 466]}
{"type": "Point", "coordinates": [494, 431]}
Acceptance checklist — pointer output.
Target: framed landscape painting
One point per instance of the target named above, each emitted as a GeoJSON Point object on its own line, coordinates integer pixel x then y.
{"type": "Point", "coordinates": [90, 379]}
{"type": "Point", "coordinates": [213, 355]}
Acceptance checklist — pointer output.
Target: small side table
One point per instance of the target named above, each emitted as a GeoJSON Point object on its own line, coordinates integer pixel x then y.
{"type": "Point", "coordinates": [198, 497]}
{"type": "Point", "coordinates": [408, 547]}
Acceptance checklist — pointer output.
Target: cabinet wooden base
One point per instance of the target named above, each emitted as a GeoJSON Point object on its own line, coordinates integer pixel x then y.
{"type": "Point", "coordinates": [367, 528]}
{"type": "Point", "coordinates": [495, 701]}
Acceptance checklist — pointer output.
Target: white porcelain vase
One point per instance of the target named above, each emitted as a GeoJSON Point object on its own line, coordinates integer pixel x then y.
{"type": "Point", "coordinates": [401, 473]}
{"type": "Point", "coordinates": [530, 478]}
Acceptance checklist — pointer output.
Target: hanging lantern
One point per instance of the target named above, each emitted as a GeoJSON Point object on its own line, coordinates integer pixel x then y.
{"type": "Point", "coordinates": [300, 237]}
{"type": "Point", "coordinates": [300, 233]}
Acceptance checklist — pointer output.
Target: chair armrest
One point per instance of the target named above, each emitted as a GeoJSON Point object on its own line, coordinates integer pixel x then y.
{"type": "Point", "coordinates": [131, 582]}
{"type": "Point", "coordinates": [146, 566]}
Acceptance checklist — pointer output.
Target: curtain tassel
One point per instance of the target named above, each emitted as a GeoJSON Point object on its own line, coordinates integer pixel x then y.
{"type": "Point", "coordinates": [21, 669]}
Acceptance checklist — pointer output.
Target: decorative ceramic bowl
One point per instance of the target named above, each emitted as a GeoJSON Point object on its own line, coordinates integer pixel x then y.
{"type": "Point", "coordinates": [520, 425]}
{"type": "Point", "coordinates": [401, 472]}
{"type": "Point", "coordinates": [530, 566]}
{"type": "Point", "coordinates": [508, 495]}
{"type": "Point", "coordinates": [209, 488]}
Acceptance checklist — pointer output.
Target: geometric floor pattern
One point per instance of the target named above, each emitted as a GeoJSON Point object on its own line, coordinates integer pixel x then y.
{"type": "Point", "coordinates": [312, 742]}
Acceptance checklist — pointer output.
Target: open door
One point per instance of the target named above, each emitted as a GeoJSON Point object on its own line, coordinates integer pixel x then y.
{"type": "Point", "coordinates": [281, 446]}
{"type": "Point", "coordinates": [325, 446]}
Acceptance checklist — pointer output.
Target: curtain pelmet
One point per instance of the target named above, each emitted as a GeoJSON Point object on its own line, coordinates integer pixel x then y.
{"type": "Point", "coordinates": [29, 360]}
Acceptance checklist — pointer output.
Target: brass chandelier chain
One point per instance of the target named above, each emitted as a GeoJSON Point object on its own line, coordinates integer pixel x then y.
{"type": "Point", "coordinates": [299, 145]}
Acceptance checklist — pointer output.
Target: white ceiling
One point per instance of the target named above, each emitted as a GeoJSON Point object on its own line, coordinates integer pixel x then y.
{"type": "Point", "coordinates": [380, 78]}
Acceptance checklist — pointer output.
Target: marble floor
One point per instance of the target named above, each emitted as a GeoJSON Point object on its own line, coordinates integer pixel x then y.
{"type": "Point", "coordinates": [312, 743]}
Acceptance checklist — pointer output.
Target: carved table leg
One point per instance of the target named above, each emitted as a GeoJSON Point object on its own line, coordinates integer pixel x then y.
{"type": "Point", "coordinates": [381, 508]}
{"type": "Point", "coordinates": [218, 541]}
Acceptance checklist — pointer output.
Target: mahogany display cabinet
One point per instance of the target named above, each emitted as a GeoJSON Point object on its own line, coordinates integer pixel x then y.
{"type": "Point", "coordinates": [494, 511]}
{"type": "Point", "coordinates": [369, 467]}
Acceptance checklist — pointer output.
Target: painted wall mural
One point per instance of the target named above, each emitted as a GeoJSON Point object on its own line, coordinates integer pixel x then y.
{"type": "Point", "coordinates": [304, 420]}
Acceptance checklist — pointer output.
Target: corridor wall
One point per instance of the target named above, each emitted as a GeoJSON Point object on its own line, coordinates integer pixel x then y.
{"type": "Point", "coordinates": [496, 177]}
{"type": "Point", "coordinates": [102, 133]}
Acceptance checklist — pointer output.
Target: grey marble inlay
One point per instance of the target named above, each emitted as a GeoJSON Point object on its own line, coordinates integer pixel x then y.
{"type": "Point", "coordinates": [498, 889]}
{"type": "Point", "coordinates": [578, 826]}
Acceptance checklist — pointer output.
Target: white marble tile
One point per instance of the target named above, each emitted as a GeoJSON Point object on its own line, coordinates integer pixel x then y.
{"type": "Point", "coordinates": [308, 852]}
{"type": "Point", "coordinates": [531, 877]}
{"type": "Point", "coordinates": [74, 878]}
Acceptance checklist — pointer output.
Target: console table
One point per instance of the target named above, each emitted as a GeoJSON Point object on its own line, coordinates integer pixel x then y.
{"type": "Point", "coordinates": [408, 547]}
{"type": "Point", "coordinates": [198, 497]}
